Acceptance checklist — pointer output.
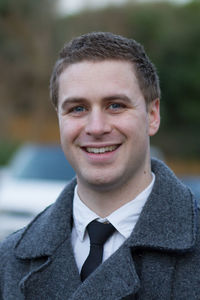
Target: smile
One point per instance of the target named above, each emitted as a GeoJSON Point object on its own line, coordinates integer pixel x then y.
{"type": "Point", "coordinates": [101, 149]}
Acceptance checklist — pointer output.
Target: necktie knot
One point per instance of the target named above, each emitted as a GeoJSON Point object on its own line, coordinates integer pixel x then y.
{"type": "Point", "coordinates": [99, 232]}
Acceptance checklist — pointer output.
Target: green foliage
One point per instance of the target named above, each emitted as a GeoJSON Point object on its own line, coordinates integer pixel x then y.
{"type": "Point", "coordinates": [25, 54]}
{"type": "Point", "coordinates": [7, 149]}
{"type": "Point", "coordinates": [26, 8]}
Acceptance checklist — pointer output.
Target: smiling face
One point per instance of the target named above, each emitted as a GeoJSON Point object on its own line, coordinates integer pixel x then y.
{"type": "Point", "coordinates": [105, 124]}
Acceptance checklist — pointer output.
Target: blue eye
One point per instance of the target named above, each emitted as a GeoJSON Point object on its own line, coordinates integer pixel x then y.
{"type": "Point", "coordinates": [116, 106]}
{"type": "Point", "coordinates": [78, 109]}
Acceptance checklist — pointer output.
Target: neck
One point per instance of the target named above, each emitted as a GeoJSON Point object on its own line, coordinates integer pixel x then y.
{"type": "Point", "coordinates": [105, 201]}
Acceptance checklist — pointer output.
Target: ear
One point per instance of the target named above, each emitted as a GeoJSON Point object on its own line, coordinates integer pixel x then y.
{"type": "Point", "coordinates": [154, 116]}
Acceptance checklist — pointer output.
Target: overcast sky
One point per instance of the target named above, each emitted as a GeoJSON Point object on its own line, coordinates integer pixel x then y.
{"type": "Point", "coordinates": [73, 6]}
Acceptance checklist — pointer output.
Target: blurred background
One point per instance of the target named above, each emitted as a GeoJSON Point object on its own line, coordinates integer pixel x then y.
{"type": "Point", "coordinates": [31, 34]}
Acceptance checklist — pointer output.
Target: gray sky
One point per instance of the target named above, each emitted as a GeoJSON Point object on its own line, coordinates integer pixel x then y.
{"type": "Point", "coordinates": [73, 6]}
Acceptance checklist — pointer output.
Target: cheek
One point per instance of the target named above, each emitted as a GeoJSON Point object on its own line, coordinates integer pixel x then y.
{"type": "Point", "coordinates": [133, 126]}
{"type": "Point", "coordinates": [69, 130]}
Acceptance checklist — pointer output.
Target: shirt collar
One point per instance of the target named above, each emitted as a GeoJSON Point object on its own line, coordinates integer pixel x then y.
{"type": "Point", "coordinates": [123, 219]}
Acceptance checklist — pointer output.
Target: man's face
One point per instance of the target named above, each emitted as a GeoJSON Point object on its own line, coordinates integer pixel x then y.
{"type": "Point", "coordinates": [104, 123]}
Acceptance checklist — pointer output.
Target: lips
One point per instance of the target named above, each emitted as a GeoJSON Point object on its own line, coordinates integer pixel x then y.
{"type": "Point", "coordinates": [100, 150]}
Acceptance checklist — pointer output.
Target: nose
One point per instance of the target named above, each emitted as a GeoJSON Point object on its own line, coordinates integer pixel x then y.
{"type": "Point", "coordinates": [97, 123]}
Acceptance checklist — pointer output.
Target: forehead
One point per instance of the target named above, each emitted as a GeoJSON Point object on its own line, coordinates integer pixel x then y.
{"type": "Point", "coordinates": [99, 77]}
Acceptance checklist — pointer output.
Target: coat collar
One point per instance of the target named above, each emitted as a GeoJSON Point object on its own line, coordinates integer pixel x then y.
{"type": "Point", "coordinates": [167, 221]}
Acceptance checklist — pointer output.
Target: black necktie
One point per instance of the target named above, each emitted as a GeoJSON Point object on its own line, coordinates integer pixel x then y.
{"type": "Point", "coordinates": [98, 233]}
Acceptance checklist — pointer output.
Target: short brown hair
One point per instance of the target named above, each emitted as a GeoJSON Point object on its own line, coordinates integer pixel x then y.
{"type": "Point", "coordinates": [98, 46]}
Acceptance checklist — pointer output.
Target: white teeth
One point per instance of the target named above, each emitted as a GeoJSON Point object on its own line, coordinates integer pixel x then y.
{"type": "Point", "coordinates": [101, 150]}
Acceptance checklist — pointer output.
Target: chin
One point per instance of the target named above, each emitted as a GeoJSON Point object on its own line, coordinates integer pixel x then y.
{"type": "Point", "coordinates": [99, 182]}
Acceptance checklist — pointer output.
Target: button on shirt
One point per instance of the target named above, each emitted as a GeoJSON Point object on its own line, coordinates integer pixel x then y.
{"type": "Point", "coordinates": [123, 219]}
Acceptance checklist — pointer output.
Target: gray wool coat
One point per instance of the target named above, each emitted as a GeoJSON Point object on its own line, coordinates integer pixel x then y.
{"type": "Point", "coordinates": [159, 261]}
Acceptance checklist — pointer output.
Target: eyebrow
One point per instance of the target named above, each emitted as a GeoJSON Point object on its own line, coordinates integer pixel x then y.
{"type": "Point", "coordinates": [118, 97]}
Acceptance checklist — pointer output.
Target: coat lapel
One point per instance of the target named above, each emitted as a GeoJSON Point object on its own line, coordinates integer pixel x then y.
{"type": "Point", "coordinates": [115, 279]}
{"type": "Point", "coordinates": [55, 277]}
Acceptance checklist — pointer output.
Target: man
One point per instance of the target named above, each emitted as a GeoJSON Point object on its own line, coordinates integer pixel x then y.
{"type": "Point", "coordinates": [106, 94]}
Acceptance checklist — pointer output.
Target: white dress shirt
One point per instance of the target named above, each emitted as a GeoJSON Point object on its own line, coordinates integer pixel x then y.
{"type": "Point", "coordinates": [123, 219]}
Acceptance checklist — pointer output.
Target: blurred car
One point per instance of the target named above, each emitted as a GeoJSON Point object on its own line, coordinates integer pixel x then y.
{"type": "Point", "coordinates": [193, 182]}
{"type": "Point", "coordinates": [32, 181]}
